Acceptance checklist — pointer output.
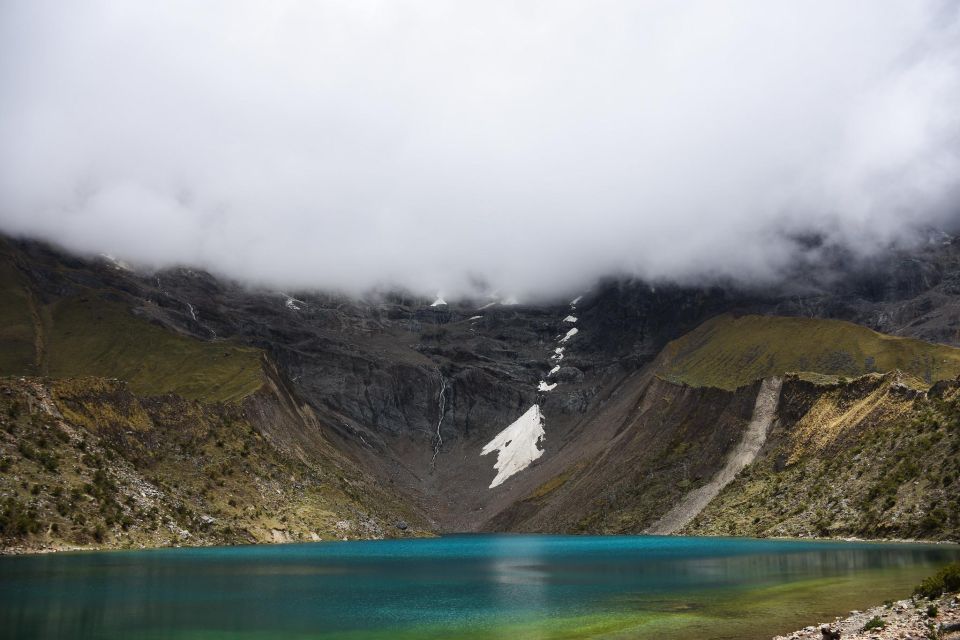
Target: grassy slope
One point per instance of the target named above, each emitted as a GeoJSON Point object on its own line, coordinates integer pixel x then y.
{"type": "Point", "coordinates": [17, 348]}
{"type": "Point", "coordinates": [728, 352]}
{"type": "Point", "coordinates": [96, 337]}
{"type": "Point", "coordinates": [91, 335]}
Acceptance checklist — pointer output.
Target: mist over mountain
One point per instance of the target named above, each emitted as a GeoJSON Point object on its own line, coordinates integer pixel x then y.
{"type": "Point", "coordinates": [521, 149]}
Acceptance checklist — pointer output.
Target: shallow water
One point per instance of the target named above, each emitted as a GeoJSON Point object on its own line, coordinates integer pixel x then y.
{"type": "Point", "coordinates": [507, 586]}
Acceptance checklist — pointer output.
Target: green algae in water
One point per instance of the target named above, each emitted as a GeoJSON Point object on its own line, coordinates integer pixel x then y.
{"type": "Point", "coordinates": [470, 587]}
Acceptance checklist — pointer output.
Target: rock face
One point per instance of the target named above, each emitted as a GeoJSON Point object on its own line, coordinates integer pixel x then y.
{"type": "Point", "coordinates": [408, 393]}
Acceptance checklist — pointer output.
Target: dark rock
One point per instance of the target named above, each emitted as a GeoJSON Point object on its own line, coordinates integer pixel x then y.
{"type": "Point", "coordinates": [829, 633]}
{"type": "Point", "coordinates": [568, 374]}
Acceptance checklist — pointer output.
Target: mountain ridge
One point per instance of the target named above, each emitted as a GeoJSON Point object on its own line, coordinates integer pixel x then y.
{"type": "Point", "coordinates": [407, 394]}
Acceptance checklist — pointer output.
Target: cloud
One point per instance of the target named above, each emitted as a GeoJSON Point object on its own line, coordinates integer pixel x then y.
{"type": "Point", "coordinates": [531, 146]}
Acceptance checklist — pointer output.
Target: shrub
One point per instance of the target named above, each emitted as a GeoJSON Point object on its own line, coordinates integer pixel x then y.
{"type": "Point", "coordinates": [16, 519]}
{"type": "Point", "coordinates": [947, 580]}
{"type": "Point", "coordinates": [876, 622]}
{"type": "Point", "coordinates": [932, 611]}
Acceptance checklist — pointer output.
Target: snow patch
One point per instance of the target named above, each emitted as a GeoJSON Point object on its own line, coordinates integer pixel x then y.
{"type": "Point", "coordinates": [554, 370]}
{"type": "Point", "coordinates": [557, 354]}
{"type": "Point", "coordinates": [517, 445]}
{"type": "Point", "coordinates": [543, 386]}
{"type": "Point", "coordinates": [570, 319]}
{"type": "Point", "coordinates": [574, 302]}
{"type": "Point", "coordinates": [475, 317]}
{"type": "Point", "coordinates": [293, 304]}
{"type": "Point", "coordinates": [117, 263]}
{"type": "Point", "coordinates": [569, 335]}
{"type": "Point", "coordinates": [488, 305]}
{"type": "Point", "coordinates": [438, 302]}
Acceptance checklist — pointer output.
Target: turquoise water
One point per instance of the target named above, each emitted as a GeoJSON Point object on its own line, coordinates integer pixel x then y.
{"type": "Point", "coordinates": [457, 587]}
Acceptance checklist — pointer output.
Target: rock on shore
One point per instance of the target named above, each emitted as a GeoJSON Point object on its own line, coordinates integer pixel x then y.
{"type": "Point", "coordinates": [900, 620]}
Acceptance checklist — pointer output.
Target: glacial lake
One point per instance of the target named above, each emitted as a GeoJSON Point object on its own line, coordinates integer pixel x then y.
{"type": "Point", "coordinates": [477, 586]}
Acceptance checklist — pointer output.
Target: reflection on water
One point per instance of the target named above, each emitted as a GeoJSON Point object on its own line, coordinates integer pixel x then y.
{"type": "Point", "coordinates": [476, 586]}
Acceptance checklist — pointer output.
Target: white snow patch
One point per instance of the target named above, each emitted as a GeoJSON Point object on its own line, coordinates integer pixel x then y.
{"type": "Point", "coordinates": [117, 263]}
{"type": "Point", "coordinates": [439, 301]}
{"type": "Point", "coordinates": [575, 301]}
{"type": "Point", "coordinates": [557, 354]}
{"type": "Point", "coordinates": [517, 445]}
{"type": "Point", "coordinates": [543, 386]}
{"type": "Point", "coordinates": [554, 370]}
{"type": "Point", "coordinates": [475, 317]}
{"type": "Point", "coordinates": [294, 304]}
{"type": "Point", "coordinates": [193, 312]}
{"type": "Point", "coordinates": [570, 319]}
{"type": "Point", "coordinates": [488, 305]}
{"type": "Point", "coordinates": [569, 335]}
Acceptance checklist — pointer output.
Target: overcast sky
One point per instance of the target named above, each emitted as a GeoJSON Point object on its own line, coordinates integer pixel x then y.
{"type": "Point", "coordinates": [532, 145]}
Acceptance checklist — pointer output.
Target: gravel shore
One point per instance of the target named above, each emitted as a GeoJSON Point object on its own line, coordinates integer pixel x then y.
{"type": "Point", "coordinates": [901, 620]}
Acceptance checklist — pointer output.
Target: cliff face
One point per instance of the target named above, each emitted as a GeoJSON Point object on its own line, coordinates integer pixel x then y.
{"type": "Point", "coordinates": [384, 404]}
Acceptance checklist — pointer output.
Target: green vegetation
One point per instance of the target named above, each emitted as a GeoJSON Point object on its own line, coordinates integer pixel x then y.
{"type": "Point", "coordinates": [728, 352]}
{"type": "Point", "coordinates": [876, 622]}
{"type": "Point", "coordinates": [869, 459]}
{"type": "Point", "coordinates": [17, 346]}
{"type": "Point", "coordinates": [947, 580]}
{"type": "Point", "coordinates": [91, 334]}
{"type": "Point", "coordinates": [117, 470]}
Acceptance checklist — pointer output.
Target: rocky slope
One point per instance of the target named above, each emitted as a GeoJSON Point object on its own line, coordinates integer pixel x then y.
{"type": "Point", "coordinates": [875, 457]}
{"type": "Point", "coordinates": [86, 462]}
{"type": "Point", "coordinates": [400, 396]}
{"type": "Point", "coordinates": [902, 620]}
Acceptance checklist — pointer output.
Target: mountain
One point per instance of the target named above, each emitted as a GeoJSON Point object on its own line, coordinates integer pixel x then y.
{"type": "Point", "coordinates": [179, 408]}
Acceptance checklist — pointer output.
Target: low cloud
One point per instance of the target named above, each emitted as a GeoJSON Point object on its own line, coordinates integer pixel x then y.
{"type": "Point", "coordinates": [532, 147]}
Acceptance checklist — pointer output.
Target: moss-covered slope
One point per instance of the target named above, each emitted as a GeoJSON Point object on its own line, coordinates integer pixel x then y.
{"type": "Point", "coordinates": [730, 351]}
{"type": "Point", "coordinates": [93, 333]}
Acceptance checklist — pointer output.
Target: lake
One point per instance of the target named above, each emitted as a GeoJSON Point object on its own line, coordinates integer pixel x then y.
{"type": "Point", "coordinates": [476, 586]}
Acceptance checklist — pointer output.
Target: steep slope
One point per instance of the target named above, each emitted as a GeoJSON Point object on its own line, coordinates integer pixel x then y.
{"type": "Point", "coordinates": [664, 453]}
{"type": "Point", "coordinates": [873, 457]}
{"type": "Point", "coordinates": [141, 435]}
{"type": "Point", "coordinates": [89, 332]}
{"type": "Point", "coordinates": [86, 462]}
{"type": "Point", "coordinates": [764, 411]}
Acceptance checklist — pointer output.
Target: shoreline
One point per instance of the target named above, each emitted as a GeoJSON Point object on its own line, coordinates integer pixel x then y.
{"type": "Point", "coordinates": [908, 619]}
{"type": "Point", "coordinates": [15, 550]}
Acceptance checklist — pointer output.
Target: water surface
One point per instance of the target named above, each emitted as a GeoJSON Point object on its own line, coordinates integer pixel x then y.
{"type": "Point", "coordinates": [498, 586]}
